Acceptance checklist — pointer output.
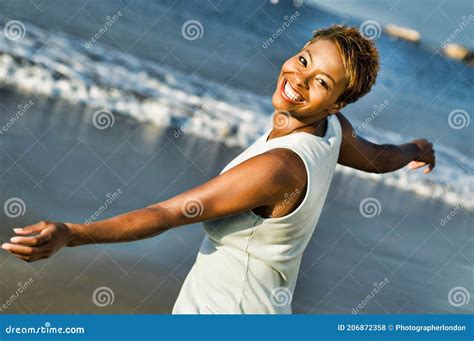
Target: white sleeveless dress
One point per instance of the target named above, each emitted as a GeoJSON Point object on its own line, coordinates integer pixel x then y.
{"type": "Point", "coordinates": [248, 264]}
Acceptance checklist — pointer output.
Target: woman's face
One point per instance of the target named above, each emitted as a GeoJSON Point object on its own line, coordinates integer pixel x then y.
{"type": "Point", "coordinates": [311, 81]}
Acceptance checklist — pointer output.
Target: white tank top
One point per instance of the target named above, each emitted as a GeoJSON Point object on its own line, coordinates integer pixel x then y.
{"type": "Point", "coordinates": [248, 264]}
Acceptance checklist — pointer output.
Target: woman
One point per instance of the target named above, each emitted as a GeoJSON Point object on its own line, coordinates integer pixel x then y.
{"type": "Point", "coordinates": [261, 211]}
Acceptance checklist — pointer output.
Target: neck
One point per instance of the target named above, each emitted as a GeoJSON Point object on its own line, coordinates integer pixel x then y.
{"type": "Point", "coordinates": [284, 124]}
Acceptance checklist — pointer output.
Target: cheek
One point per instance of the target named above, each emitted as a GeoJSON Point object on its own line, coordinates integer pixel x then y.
{"type": "Point", "coordinates": [288, 65]}
{"type": "Point", "coordinates": [319, 97]}
{"type": "Point", "coordinates": [319, 100]}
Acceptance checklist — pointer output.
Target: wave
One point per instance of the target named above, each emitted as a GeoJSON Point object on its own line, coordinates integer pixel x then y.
{"type": "Point", "coordinates": [62, 67]}
{"type": "Point", "coordinates": [58, 66]}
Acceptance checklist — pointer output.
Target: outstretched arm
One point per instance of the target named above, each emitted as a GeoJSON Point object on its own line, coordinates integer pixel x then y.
{"type": "Point", "coordinates": [256, 182]}
{"type": "Point", "coordinates": [359, 153]}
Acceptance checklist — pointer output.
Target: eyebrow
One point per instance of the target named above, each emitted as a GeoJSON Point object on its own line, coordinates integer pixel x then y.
{"type": "Point", "coordinates": [311, 58]}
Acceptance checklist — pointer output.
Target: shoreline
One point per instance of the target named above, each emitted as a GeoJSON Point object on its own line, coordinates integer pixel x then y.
{"type": "Point", "coordinates": [347, 253]}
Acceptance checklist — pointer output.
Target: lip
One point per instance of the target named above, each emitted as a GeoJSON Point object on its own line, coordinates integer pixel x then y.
{"type": "Point", "coordinates": [285, 97]}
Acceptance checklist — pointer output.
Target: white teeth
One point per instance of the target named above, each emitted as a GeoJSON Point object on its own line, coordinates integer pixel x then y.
{"type": "Point", "coordinates": [293, 95]}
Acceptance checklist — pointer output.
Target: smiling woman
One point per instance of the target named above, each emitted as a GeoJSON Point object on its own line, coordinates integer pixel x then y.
{"type": "Point", "coordinates": [249, 260]}
{"type": "Point", "coordinates": [335, 68]}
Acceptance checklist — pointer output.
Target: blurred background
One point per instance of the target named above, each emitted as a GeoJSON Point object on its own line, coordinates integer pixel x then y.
{"type": "Point", "coordinates": [109, 106]}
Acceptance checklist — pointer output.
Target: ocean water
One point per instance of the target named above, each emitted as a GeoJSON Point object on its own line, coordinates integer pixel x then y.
{"type": "Point", "coordinates": [63, 168]}
{"type": "Point", "coordinates": [208, 68]}
{"type": "Point", "coordinates": [218, 86]}
{"type": "Point", "coordinates": [435, 20]}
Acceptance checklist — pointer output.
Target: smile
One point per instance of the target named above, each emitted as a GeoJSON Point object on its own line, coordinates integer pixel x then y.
{"type": "Point", "coordinates": [290, 94]}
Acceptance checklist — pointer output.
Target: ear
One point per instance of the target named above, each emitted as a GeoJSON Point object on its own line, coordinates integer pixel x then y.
{"type": "Point", "coordinates": [336, 107]}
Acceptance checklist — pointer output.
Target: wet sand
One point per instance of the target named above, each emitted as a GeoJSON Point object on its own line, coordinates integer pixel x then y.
{"type": "Point", "coordinates": [63, 168]}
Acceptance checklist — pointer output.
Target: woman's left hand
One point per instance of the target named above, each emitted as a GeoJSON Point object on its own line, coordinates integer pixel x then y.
{"type": "Point", "coordinates": [38, 241]}
{"type": "Point", "coordinates": [426, 156]}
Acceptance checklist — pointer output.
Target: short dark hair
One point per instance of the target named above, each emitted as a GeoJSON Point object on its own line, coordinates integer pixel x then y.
{"type": "Point", "coordinates": [359, 55]}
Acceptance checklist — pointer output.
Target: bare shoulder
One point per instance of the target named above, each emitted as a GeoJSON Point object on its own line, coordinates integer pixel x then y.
{"type": "Point", "coordinates": [284, 168]}
{"type": "Point", "coordinates": [346, 126]}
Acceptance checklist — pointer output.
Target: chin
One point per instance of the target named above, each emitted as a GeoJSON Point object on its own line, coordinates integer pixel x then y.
{"type": "Point", "coordinates": [280, 104]}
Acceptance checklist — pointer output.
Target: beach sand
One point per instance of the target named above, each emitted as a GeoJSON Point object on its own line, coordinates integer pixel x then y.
{"type": "Point", "coordinates": [63, 168]}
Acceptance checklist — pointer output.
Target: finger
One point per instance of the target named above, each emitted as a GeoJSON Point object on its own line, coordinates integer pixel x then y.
{"type": "Point", "coordinates": [417, 165]}
{"type": "Point", "coordinates": [35, 240]}
{"type": "Point", "coordinates": [20, 249]}
{"type": "Point", "coordinates": [30, 229]}
{"type": "Point", "coordinates": [430, 167]}
{"type": "Point", "coordinates": [31, 241]}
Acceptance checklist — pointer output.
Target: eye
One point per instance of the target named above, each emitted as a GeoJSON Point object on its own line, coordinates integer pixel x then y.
{"type": "Point", "coordinates": [303, 61]}
{"type": "Point", "coordinates": [322, 82]}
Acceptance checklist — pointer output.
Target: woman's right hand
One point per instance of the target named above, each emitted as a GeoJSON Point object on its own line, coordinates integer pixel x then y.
{"type": "Point", "coordinates": [38, 241]}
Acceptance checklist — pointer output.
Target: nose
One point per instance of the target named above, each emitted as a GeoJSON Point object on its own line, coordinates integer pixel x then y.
{"type": "Point", "coordinates": [301, 81]}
